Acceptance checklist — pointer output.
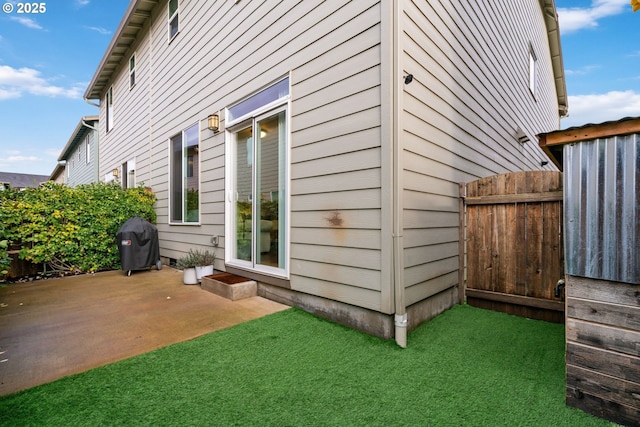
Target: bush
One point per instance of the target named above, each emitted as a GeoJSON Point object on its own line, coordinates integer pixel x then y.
{"type": "Point", "coordinates": [5, 260]}
{"type": "Point", "coordinates": [71, 229]}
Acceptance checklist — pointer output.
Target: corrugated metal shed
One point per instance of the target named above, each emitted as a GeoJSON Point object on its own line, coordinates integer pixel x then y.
{"type": "Point", "coordinates": [601, 166]}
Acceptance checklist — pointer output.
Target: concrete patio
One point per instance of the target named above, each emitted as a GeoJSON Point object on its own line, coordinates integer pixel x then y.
{"type": "Point", "coordinates": [53, 328]}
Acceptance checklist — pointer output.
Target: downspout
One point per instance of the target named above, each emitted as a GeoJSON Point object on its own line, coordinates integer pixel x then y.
{"type": "Point", "coordinates": [397, 187]}
{"type": "Point", "coordinates": [149, 113]}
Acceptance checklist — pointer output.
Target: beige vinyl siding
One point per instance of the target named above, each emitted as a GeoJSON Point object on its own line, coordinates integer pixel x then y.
{"type": "Point", "coordinates": [128, 138]}
{"type": "Point", "coordinates": [460, 114]}
{"type": "Point", "coordinates": [336, 168]}
{"type": "Point", "coordinates": [457, 122]}
{"type": "Point", "coordinates": [332, 53]}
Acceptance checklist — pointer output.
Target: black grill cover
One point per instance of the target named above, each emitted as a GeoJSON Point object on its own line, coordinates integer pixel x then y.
{"type": "Point", "coordinates": [138, 244]}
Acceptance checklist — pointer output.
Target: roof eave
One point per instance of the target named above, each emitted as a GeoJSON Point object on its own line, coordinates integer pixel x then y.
{"type": "Point", "coordinates": [122, 40]}
{"type": "Point", "coordinates": [553, 34]}
{"type": "Point", "coordinates": [78, 133]}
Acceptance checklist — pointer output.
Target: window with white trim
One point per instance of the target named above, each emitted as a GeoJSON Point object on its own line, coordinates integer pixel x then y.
{"type": "Point", "coordinates": [132, 71]}
{"type": "Point", "coordinates": [257, 182]}
{"type": "Point", "coordinates": [532, 71]}
{"type": "Point", "coordinates": [128, 174]}
{"type": "Point", "coordinates": [184, 175]}
{"type": "Point", "coordinates": [88, 147]}
{"type": "Point", "coordinates": [109, 109]}
{"type": "Point", "coordinates": [174, 27]}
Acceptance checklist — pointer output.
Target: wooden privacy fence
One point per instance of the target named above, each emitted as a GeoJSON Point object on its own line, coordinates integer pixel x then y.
{"type": "Point", "coordinates": [514, 243]}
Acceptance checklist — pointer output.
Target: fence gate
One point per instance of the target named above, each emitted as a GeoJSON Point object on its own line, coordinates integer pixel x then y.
{"type": "Point", "coordinates": [514, 246]}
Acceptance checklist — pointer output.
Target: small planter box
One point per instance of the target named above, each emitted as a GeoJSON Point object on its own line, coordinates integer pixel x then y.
{"type": "Point", "coordinates": [229, 286]}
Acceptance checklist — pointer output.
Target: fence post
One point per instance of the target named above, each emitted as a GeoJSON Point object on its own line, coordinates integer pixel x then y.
{"type": "Point", "coordinates": [461, 243]}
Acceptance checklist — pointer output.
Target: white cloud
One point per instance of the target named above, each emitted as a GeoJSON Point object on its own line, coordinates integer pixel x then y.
{"type": "Point", "coordinates": [579, 18]}
{"type": "Point", "coordinates": [82, 2]}
{"type": "Point", "coordinates": [18, 158]}
{"type": "Point", "coordinates": [27, 22]}
{"type": "Point", "coordinates": [587, 69]}
{"type": "Point", "coordinates": [25, 163]}
{"type": "Point", "coordinates": [598, 108]}
{"type": "Point", "coordinates": [29, 160]}
{"type": "Point", "coordinates": [100, 30]}
{"type": "Point", "coordinates": [9, 93]}
{"type": "Point", "coordinates": [14, 82]}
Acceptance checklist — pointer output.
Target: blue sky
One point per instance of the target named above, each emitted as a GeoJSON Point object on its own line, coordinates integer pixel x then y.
{"type": "Point", "coordinates": [47, 60]}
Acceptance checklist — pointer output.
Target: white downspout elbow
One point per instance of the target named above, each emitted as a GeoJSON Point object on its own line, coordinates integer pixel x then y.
{"type": "Point", "coordinates": [401, 329]}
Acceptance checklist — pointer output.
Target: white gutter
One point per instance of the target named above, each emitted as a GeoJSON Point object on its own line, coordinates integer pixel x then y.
{"type": "Point", "coordinates": [87, 125]}
{"type": "Point", "coordinates": [74, 134]}
{"type": "Point", "coordinates": [555, 48]}
{"type": "Point", "coordinates": [397, 187]}
{"type": "Point", "coordinates": [90, 102]}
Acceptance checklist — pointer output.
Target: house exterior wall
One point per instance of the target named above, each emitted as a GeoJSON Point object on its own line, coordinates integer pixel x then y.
{"type": "Point", "coordinates": [333, 57]}
{"type": "Point", "coordinates": [460, 115]}
{"type": "Point", "coordinates": [82, 167]}
{"type": "Point", "coordinates": [128, 137]}
{"type": "Point", "coordinates": [337, 230]}
{"type": "Point", "coordinates": [457, 123]}
{"type": "Point", "coordinates": [59, 177]}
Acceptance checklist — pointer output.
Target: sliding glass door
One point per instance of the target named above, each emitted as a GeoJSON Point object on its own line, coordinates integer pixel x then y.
{"type": "Point", "coordinates": [259, 193]}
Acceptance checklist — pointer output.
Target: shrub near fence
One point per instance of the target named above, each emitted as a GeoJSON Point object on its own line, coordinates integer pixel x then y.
{"type": "Point", "coordinates": [71, 229]}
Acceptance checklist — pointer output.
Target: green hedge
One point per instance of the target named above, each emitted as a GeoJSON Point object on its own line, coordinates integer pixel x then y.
{"type": "Point", "coordinates": [70, 229]}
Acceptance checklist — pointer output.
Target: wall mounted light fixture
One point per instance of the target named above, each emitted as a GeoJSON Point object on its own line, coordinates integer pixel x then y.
{"type": "Point", "coordinates": [521, 136]}
{"type": "Point", "coordinates": [213, 122]}
{"type": "Point", "coordinates": [115, 172]}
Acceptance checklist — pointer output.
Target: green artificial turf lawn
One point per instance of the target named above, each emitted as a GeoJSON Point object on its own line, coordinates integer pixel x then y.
{"type": "Point", "coordinates": [467, 367]}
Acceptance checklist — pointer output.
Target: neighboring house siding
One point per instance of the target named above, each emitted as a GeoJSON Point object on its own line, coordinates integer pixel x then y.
{"type": "Point", "coordinates": [81, 166]}
{"type": "Point", "coordinates": [469, 96]}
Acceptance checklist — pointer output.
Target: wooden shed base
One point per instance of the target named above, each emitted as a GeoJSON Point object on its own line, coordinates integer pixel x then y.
{"type": "Point", "coordinates": [603, 354]}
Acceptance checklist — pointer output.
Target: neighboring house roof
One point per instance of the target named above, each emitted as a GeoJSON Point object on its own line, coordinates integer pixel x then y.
{"type": "Point", "coordinates": [77, 136]}
{"type": "Point", "coordinates": [126, 34]}
{"type": "Point", "coordinates": [22, 180]}
{"type": "Point", "coordinates": [139, 10]}
{"type": "Point", "coordinates": [552, 142]}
